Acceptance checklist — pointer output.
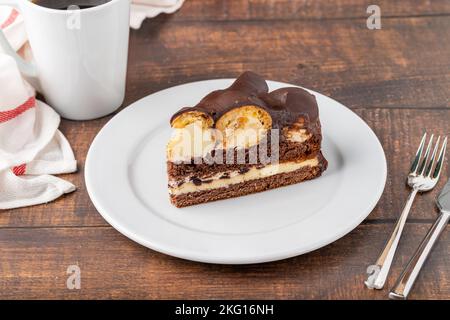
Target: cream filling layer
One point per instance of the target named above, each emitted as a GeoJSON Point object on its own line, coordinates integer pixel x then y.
{"type": "Point", "coordinates": [236, 177]}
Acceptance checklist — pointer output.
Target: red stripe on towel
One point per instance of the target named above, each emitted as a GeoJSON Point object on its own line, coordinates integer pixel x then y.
{"type": "Point", "coordinates": [12, 17]}
{"type": "Point", "coordinates": [11, 114]}
{"type": "Point", "coordinates": [19, 170]}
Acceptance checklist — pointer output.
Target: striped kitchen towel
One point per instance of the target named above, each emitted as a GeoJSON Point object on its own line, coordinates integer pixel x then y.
{"type": "Point", "coordinates": [31, 146]}
{"type": "Point", "coordinates": [142, 9]}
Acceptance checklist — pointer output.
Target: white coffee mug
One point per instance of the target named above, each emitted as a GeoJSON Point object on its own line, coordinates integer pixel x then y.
{"type": "Point", "coordinates": [80, 56]}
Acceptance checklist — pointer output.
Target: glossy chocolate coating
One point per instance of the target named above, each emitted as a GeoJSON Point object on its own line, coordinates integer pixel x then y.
{"type": "Point", "coordinates": [285, 105]}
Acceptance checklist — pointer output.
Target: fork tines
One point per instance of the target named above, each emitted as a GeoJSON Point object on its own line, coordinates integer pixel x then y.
{"type": "Point", "coordinates": [423, 166]}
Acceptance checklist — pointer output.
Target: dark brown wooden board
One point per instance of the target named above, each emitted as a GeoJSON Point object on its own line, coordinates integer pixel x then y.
{"type": "Point", "coordinates": [34, 263]}
{"type": "Point", "coordinates": [201, 10]}
{"type": "Point", "coordinates": [388, 68]}
{"type": "Point", "coordinates": [397, 79]}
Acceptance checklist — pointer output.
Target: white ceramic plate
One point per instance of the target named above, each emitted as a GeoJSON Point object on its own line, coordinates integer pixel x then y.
{"type": "Point", "coordinates": [126, 180]}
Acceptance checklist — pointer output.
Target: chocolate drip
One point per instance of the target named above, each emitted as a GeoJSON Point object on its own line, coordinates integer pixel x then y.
{"type": "Point", "coordinates": [285, 105]}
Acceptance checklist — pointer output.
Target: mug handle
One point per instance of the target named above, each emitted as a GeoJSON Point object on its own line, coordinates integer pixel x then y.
{"type": "Point", "coordinates": [27, 69]}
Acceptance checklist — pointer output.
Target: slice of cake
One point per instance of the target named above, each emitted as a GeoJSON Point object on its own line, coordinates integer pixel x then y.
{"type": "Point", "coordinates": [241, 140]}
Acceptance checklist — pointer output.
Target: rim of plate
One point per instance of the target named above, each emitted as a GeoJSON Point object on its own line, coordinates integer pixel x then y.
{"type": "Point", "coordinates": [183, 253]}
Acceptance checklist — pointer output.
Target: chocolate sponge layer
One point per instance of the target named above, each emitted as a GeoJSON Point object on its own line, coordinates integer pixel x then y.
{"type": "Point", "coordinates": [252, 186]}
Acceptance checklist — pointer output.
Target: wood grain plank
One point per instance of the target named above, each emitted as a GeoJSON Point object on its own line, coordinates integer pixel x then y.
{"type": "Point", "coordinates": [195, 10]}
{"type": "Point", "coordinates": [34, 263]}
{"type": "Point", "coordinates": [389, 68]}
{"type": "Point", "coordinates": [398, 130]}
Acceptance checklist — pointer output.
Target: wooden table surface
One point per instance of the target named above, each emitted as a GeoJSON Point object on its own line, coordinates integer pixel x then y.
{"type": "Point", "coordinates": [397, 79]}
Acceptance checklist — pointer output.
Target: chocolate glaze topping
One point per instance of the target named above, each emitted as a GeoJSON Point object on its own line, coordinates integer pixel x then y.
{"type": "Point", "coordinates": [285, 105]}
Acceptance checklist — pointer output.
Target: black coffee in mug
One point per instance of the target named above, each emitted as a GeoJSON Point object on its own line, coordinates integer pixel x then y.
{"type": "Point", "coordinates": [64, 4]}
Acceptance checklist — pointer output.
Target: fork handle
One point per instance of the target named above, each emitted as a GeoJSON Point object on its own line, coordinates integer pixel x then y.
{"type": "Point", "coordinates": [410, 273]}
{"type": "Point", "coordinates": [379, 271]}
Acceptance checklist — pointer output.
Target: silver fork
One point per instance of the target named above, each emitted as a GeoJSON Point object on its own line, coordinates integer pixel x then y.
{"type": "Point", "coordinates": [421, 178]}
{"type": "Point", "coordinates": [409, 275]}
